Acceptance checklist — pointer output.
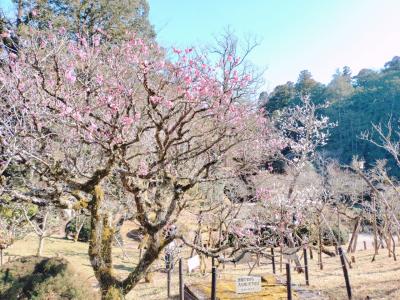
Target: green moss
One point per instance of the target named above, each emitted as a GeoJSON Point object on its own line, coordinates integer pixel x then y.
{"type": "Point", "coordinates": [98, 193]}
{"type": "Point", "coordinates": [113, 294]}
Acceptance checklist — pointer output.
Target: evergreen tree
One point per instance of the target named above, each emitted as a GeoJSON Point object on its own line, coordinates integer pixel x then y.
{"type": "Point", "coordinates": [114, 18]}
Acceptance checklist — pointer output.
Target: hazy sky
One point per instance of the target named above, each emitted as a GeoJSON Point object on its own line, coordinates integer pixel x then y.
{"type": "Point", "coordinates": [318, 35]}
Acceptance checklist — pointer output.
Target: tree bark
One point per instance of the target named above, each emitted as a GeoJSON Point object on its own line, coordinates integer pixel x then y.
{"type": "Point", "coordinates": [321, 267]}
{"type": "Point", "coordinates": [41, 244]}
{"type": "Point", "coordinates": [376, 246]}
{"type": "Point", "coordinates": [353, 239]}
{"type": "Point", "coordinates": [78, 230]}
{"type": "Point", "coordinates": [154, 247]}
{"type": "Point", "coordinates": [394, 247]}
{"type": "Point", "coordinates": [100, 248]}
{"type": "Point", "coordinates": [100, 252]}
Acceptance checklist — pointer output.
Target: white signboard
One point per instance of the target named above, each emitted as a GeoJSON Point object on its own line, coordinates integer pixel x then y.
{"type": "Point", "coordinates": [193, 263]}
{"type": "Point", "coordinates": [248, 284]}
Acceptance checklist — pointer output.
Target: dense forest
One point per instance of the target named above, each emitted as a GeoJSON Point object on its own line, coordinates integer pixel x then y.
{"type": "Point", "coordinates": [353, 102]}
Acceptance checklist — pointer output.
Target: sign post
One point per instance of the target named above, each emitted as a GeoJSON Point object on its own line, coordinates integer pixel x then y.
{"type": "Point", "coordinates": [213, 281]}
{"type": "Point", "coordinates": [306, 265]}
{"type": "Point", "coordinates": [181, 283]}
{"type": "Point", "coordinates": [288, 282]}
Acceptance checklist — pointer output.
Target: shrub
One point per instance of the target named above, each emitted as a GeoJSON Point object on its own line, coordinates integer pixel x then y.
{"type": "Point", "coordinates": [341, 236]}
{"type": "Point", "coordinates": [84, 234]}
{"type": "Point", "coordinates": [41, 278]}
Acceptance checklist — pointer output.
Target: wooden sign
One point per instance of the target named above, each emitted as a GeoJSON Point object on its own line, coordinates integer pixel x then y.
{"type": "Point", "coordinates": [193, 263]}
{"type": "Point", "coordinates": [248, 284]}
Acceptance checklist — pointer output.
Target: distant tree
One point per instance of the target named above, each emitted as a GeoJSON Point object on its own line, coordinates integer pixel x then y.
{"type": "Point", "coordinates": [305, 83]}
{"type": "Point", "coordinates": [280, 97]}
{"type": "Point", "coordinates": [356, 101]}
{"type": "Point", "coordinates": [43, 224]}
{"type": "Point", "coordinates": [366, 78]}
{"type": "Point", "coordinates": [393, 65]}
{"type": "Point", "coordinates": [307, 86]}
{"type": "Point", "coordinates": [340, 87]}
{"type": "Point", "coordinates": [263, 99]}
{"type": "Point", "coordinates": [111, 17]}
{"type": "Point", "coordinates": [347, 72]}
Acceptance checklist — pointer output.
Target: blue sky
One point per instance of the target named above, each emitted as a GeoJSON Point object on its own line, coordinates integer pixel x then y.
{"type": "Point", "coordinates": [318, 35]}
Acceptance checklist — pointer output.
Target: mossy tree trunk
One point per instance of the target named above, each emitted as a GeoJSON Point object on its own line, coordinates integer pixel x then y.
{"type": "Point", "coordinates": [100, 252]}
{"type": "Point", "coordinates": [100, 248]}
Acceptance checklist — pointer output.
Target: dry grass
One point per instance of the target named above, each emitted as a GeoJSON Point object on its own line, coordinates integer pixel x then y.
{"type": "Point", "coordinates": [378, 280]}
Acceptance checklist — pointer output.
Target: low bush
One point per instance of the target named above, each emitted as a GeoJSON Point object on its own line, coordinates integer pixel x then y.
{"type": "Point", "coordinates": [332, 236]}
{"type": "Point", "coordinates": [39, 278]}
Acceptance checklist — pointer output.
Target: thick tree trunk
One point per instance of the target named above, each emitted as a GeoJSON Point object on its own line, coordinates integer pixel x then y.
{"type": "Point", "coordinates": [100, 249]}
{"type": "Point", "coordinates": [154, 248]}
{"type": "Point", "coordinates": [100, 253]}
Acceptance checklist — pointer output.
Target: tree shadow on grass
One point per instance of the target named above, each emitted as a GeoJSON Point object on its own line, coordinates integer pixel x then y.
{"type": "Point", "coordinates": [123, 268]}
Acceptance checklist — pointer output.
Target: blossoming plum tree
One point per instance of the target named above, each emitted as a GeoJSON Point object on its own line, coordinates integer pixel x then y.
{"type": "Point", "coordinates": [119, 128]}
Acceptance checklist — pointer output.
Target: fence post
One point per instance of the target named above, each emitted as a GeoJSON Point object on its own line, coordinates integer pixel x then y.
{"type": "Point", "coordinates": [169, 283]}
{"type": "Point", "coordinates": [273, 260]}
{"type": "Point", "coordinates": [181, 284]}
{"type": "Point", "coordinates": [365, 245]}
{"type": "Point", "coordinates": [213, 281]}
{"type": "Point", "coordinates": [345, 273]}
{"type": "Point", "coordinates": [306, 265]}
{"type": "Point", "coordinates": [311, 254]}
{"type": "Point", "coordinates": [288, 282]}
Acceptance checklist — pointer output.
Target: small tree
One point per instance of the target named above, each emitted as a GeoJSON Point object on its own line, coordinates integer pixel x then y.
{"type": "Point", "coordinates": [43, 223]}
{"type": "Point", "coordinates": [384, 209]}
{"type": "Point", "coordinates": [12, 226]}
